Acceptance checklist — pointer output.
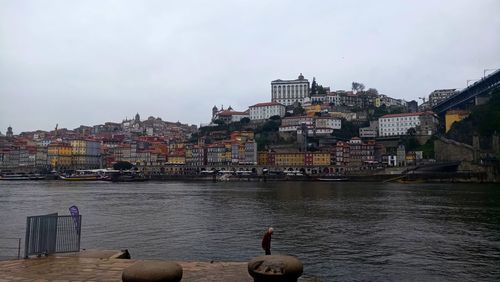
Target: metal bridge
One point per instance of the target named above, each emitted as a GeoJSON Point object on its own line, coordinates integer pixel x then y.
{"type": "Point", "coordinates": [470, 95]}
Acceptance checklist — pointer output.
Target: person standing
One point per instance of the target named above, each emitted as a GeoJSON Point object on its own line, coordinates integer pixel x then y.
{"type": "Point", "coordinates": [266, 241]}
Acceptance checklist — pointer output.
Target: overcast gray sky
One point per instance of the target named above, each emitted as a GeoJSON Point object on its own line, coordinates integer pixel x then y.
{"type": "Point", "coordinates": [87, 62]}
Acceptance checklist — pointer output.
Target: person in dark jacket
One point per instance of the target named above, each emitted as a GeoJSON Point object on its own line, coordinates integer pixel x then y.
{"type": "Point", "coordinates": [266, 241]}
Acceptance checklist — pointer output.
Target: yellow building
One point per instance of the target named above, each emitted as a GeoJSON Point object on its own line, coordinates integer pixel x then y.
{"type": "Point", "coordinates": [453, 116]}
{"type": "Point", "coordinates": [59, 155]}
{"type": "Point", "coordinates": [289, 159]}
{"type": "Point", "coordinates": [321, 158]}
{"type": "Point", "coordinates": [78, 147]}
{"type": "Point", "coordinates": [262, 158]}
{"type": "Point", "coordinates": [79, 152]}
{"type": "Point", "coordinates": [176, 160]}
{"type": "Point", "coordinates": [227, 156]}
{"type": "Point", "coordinates": [311, 110]}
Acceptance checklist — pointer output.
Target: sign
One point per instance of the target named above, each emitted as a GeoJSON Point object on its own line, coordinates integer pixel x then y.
{"type": "Point", "coordinates": [75, 214]}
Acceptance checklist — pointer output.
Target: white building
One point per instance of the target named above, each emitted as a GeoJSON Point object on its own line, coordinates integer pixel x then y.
{"type": "Point", "coordinates": [333, 98]}
{"type": "Point", "coordinates": [440, 95]}
{"type": "Point", "coordinates": [398, 124]}
{"type": "Point", "coordinates": [288, 92]}
{"type": "Point", "coordinates": [266, 110]}
{"type": "Point", "coordinates": [229, 116]}
{"type": "Point", "coordinates": [327, 122]}
{"type": "Point", "coordinates": [370, 131]}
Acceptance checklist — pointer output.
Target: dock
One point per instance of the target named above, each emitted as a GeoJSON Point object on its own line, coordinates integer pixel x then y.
{"type": "Point", "coordinates": [102, 265]}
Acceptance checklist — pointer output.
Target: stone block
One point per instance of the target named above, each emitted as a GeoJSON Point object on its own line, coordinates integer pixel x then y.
{"type": "Point", "coordinates": [275, 268]}
{"type": "Point", "coordinates": [153, 271]}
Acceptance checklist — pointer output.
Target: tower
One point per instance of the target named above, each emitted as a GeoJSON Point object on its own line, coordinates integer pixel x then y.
{"type": "Point", "coordinates": [9, 132]}
{"type": "Point", "coordinates": [137, 118]}
{"type": "Point", "coordinates": [214, 111]}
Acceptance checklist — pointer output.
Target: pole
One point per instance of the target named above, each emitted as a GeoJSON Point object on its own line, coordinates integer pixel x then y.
{"type": "Point", "coordinates": [18, 248]}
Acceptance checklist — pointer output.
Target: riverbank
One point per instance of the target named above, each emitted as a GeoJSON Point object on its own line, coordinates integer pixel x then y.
{"type": "Point", "coordinates": [450, 177]}
{"type": "Point", "coordinates": [96, 265]}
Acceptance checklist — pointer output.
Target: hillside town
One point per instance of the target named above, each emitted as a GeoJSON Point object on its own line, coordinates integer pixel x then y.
{"type": "Point", "coordinates": [303, 129]}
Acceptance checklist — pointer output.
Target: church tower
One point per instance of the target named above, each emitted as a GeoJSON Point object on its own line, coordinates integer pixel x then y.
{"type": "Point", "coordinates": [9, 132]}
{"type": "Point", "coordinates": [214, 111]}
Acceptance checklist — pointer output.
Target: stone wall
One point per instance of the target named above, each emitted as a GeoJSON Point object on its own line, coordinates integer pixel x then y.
{"type": "Point", "coordinates": [449, 150]}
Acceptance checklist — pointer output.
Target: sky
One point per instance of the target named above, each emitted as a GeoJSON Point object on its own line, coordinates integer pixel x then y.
{"type": "Point", "coordinates": [76, 63]}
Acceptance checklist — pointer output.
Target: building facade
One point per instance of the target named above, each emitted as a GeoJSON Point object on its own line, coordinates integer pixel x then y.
{"type": "Point", "coordinates": [287, 92]}
{"type": "Point", "coordinates": [264, 111]}
{"type": "Point", "coordinates": [399, 124]}
{"type": "Point", "coordinates": [440, 95]}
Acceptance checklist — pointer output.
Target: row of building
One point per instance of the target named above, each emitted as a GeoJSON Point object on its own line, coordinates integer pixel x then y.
{"type": "Point", "coordinates": [240, 149]}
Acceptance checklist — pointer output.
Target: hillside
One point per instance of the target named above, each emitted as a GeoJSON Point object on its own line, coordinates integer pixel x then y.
{"type": "Point", "coordinates": [484, 120]}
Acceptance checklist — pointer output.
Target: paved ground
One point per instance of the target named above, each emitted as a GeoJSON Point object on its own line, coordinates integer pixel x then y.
{"type": "Point", "coordinates": [98, 266]}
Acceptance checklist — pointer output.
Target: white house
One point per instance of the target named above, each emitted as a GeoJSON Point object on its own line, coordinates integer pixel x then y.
{"type": "Point", "coordinates": [398, 124]}
{"type": "Point", "coordinates": [328, 122]}
{"type": "Point", "coordinates": [266, 110]}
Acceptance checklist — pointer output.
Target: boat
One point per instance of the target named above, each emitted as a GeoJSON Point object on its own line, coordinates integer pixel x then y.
{"type": "Point", "coordinates": [410, 181]}
{"type": "Point", "coordinates": [36, 177]}
{"type": "Point", "coordinates": [15, 176]}
{"type": "Point", "coordinates": [332, 179]}
{"type": "Point", "coordinates": [128, 178]}
{"type": "Point", "coordinates": [86, 175]}
{"type": "Point", "coordinates": [82, 177]}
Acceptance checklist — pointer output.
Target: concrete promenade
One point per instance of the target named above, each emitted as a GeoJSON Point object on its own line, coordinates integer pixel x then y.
{"type": "Point", "coordinates": [100, 266]}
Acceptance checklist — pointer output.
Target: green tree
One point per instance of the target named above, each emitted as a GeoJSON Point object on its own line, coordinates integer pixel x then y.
{"type": "Point", "coordinates": [356, 86]}
{"type": "Point", "coordinates": [122, 165]}
{"type": "Point", "coordinates": [314, 87]}
{"type": "Point", "coordinates": [298, 111]}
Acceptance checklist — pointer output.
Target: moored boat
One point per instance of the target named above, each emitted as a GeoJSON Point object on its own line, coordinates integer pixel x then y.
{"type": "Point", "coordinates": [333, 179]}
{"type": "Point", "coordinates": [82, 177]}
{"type": "Point", "coordinates": [14, 176]}
{"type": "Point", "coordinates": [86, 175]}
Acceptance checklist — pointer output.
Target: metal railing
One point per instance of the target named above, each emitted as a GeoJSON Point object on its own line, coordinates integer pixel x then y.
{"type": "Point", "coordinates": [7, 244]}
{"type": "Point", "coordinates": [49, 234]}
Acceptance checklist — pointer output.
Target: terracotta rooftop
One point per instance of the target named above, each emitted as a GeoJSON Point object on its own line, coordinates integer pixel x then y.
{"type": "Point", "coordinates": [231, 113]}
{"type": "Point", "coordinates": [267, 104]}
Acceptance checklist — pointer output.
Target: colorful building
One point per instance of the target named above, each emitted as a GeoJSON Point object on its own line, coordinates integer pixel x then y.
{"type": "Point", "coordinates": [453, 116]}
{"type": "Point", "coordinates": [59, 155]}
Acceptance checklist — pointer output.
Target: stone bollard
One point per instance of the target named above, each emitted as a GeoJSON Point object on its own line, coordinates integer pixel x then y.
{"type": "Point", "coordinates": [275, 268]}
{"type": "Point", "coordinates": [154, 271]}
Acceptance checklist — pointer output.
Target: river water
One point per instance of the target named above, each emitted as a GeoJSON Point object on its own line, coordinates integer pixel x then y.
{"type": "Point", "coordinates": [341, 231]}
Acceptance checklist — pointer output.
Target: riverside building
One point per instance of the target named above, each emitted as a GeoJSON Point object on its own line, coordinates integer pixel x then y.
{"type": "Point", "coordinates": [398, 124]}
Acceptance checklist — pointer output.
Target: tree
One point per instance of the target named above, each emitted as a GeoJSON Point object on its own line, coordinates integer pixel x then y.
{"type": "Point", "coordinates": [321, 90]}
{"type": "Point", "coordinates": [348, 130]}
{"type": "Point", "coordinates": [122, 165]}
{"type": "Point", "coordinates": [219, 122]}
{"type": "Point", "coordinates": [411, 131]}
{"type": "Point", "coordinates": [314, 87]}
{"type": "Point", "coordinates": [356, 86]}
{"type": "Point", "coordinates": [372, 91]}
{"type": "Point", "coordinates": [245, 120]}
{"type": "Point", "coordinates": [298, 111]}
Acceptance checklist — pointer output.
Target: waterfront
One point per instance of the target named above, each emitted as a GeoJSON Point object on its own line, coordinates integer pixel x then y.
{"type": "Point", "coordinates": [341, 231]}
